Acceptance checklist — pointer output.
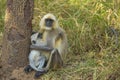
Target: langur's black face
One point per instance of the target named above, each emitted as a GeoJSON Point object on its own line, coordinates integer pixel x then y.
{"type": "Point", "coordinates": [35, 37]}
{"type": "Point", "coordinates": [49, 22]}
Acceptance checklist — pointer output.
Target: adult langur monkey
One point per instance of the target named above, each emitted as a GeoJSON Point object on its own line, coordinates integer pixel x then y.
{"type": "Point", "coordinates": [56, 48]}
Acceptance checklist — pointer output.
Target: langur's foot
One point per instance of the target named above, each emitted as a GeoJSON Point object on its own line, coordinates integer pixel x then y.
{"type": "Point", "coordinates": [28, 69]}
{"type": "Point", "coordinates": [39, 73]}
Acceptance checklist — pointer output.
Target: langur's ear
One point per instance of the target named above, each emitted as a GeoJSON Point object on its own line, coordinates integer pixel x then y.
{"type": "Point", "coordinates": [33, 32]}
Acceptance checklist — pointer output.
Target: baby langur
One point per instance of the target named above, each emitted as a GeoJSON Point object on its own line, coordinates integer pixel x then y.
{"type": "Point", "coordinates": [36, 59]}
{"type": "Point", "coordinates": [55, 38]}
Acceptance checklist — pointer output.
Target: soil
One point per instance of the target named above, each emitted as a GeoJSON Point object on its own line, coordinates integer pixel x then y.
{"type": "Point", "coordinates": [17, 74]}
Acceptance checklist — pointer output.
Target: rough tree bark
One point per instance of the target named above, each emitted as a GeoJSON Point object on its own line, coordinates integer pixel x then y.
{"type": "Point", "coordinates": [17, 31]}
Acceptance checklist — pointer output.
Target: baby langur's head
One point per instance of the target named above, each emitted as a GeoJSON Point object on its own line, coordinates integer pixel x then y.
{"type": "Point", "coordinates": [48, 22]}
{"type": "Point", "coordinates": [36, 38]}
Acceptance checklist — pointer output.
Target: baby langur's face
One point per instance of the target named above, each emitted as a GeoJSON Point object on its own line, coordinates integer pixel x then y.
{"type": "Point", "coordinates": [36, 38]}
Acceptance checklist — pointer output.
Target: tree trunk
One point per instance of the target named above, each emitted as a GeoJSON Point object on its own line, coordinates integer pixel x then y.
{"type": "Point", "coordinates": [17, 31]}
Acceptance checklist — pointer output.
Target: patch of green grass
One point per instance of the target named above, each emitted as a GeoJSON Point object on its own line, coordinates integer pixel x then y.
{"type": "Point", "coordinates": [93, 53]}
{"type": "Point", "coordinates": [2, 14]}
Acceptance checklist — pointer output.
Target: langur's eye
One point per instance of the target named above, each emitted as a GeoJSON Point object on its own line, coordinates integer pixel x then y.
{"type": "Point", "coordinates": [34, 42]}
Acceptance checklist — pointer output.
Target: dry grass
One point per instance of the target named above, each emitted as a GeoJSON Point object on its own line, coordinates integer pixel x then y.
{"type": "Point", "coordinates": [93, 28]}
